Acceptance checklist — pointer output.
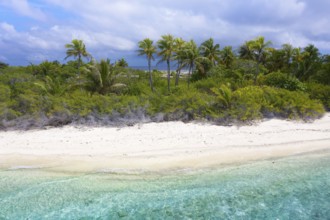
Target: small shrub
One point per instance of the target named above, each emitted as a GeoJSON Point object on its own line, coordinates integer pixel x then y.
{"type": "Point", "coordinates": [291, 104]}
{"type": "Point", "coordinates": [205, 85]}
{"type": "Point", "coordinates": [255, 102]}
{"type": "Point", "coordinates": [320, 92]}
{"type": "Point", "coordinates": [247, 103]}
{"type": "Point", "coordinates": [281, 80]}
{"type": "Point", "coordinates": [223, 96]}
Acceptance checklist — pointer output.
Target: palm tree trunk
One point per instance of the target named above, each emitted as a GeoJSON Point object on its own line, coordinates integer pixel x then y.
{"type": "Point", "coordinates": [257, 73]}
{"type": "Point", "coordinates": [150, 75]}
{"type": "Point", "coordinates": [178, 72]}
{"type": "Point", "coordinates": [189, 73]}
{"type": "Point", "coordinates": [168, 75]}
{"type": "Point", "coordinates": [79, 63]}
{"type": "Point", "coordinates": [177, 77]}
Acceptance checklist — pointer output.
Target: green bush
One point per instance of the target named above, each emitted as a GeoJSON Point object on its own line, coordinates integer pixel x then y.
{"type": "Point", "coordinates": [205, 85]}
{"type": "Point", "coordinates": [6, 113]}
{"type": "Point", "coordinates": [183, 105]}
{"type": "Point", "coordinates": [291, 104]}
{"type": "Point", "coordinates": [255, 102]}
{"type": "Point", "coordinates": [28, 103]}
{"type": "Point", "coordinates": [281, 80]}
{"type": "Point", "coordinates": [224, 95]}
{"type": "Point", "coordinates": [320, 92]}
{"type": "Point", "coordinates": [235, 78]}
{"type": "Point", "coordinates": [247, 103]}
{"type": "Point", "coordinates": [4, 93]}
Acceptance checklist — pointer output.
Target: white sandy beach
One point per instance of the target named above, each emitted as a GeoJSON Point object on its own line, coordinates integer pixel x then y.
{"type": "Point", "coordinates": [159, 146]}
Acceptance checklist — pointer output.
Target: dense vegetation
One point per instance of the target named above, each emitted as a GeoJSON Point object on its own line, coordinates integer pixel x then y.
{"type": "Point", "coordinates": [220, 86]}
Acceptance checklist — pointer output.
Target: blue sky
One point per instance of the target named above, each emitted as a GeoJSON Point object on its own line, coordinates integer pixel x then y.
{"type": "Point", "coordinates": [35, 30]}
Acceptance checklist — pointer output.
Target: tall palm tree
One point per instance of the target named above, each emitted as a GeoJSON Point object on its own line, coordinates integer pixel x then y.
{"type": "Point", "coordinates": [288, 56]}
{"type": "Point", "coordinates": [227, 56]}
{"type": "Point", "coordinates": [191, 58]}
{"type": "Point", "coordinates": [312, 61]}
{"type": "Point", "coordinates": [147, 48]}
{"type": "Point", "coordinates": [306, 61]}
{"type": "Point", "coordinates": [76, 49]}
{"type": "Point", "coordinates": [298, 57]}
{"type": "Point", "coordinates": [167, 46]}
{"type": "Point", "coordinates": [178, 56]}
{"type": "Point", "coordinates": [246, 51]}
{"type": "Point", "coordinates": [256, 50]}
{"type": "Point", "coordinates": [260, 48]}
{"type": "Point", "coordinates": [210, 51]}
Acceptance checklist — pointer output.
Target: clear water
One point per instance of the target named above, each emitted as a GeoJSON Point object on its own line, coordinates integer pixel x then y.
{"type": "Point", "coordinates": [289, 188]}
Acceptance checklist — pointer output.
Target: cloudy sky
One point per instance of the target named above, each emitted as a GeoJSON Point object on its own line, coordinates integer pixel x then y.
{"type": "Point", "coordinates": [37, 30]}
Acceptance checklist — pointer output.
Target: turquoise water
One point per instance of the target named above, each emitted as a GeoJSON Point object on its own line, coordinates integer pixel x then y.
{"type": "Point", "coordinates": [289, 188]}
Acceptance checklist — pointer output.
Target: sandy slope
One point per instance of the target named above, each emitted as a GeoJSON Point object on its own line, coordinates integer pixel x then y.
{"type": "Point", "coordinates": [159, 146]}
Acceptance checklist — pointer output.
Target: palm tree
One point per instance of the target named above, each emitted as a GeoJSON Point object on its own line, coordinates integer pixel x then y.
{"type": "Point", "coordinates": [312, 61]}
{"type": "Point", "coordinates": [77, 49]}
{"type": "Point", "coordinates": [246, 51]}
{"type": "Point", "coordinates": [256, 50]}
{"type": "Point", "coordinates": [223, 94]}
{"type": "Point", "coordinates": [191, 58]}
{"type": "Point", "coordinates": [298, 57]}
{"type": "Point", "coordinates": [288, 56]}
{"type": "Point", "coordinates": [307, 61]}
{"type": "Point", "coordinates": [147, 48]}
{"type": "Point", "coordinates": [122, 63]}
{"type": "Point", "coordinates": [227, 56]}
{"type": "Point", "coordinates": [101, 77]}
{"type": "Point", "coordinates": [53, 86]}
{"type": "Point", "coordinates": [210, 51]}
{"type": "Point", "coordinates": [178, 56]}
{"type": "Point", "coordinates": [167, 47]}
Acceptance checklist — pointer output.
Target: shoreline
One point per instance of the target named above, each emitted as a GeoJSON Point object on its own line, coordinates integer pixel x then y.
{"type": "Point", "coordinates": [162, 146]}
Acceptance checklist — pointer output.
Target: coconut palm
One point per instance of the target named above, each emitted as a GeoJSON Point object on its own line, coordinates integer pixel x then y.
{"type": "Point", "coordinates": [256, 50]}
{"type": "Point", "coordinates": [122, 63]}
{"type": "Point", "coordinates": [312, 61]}
{"type": "Point", "coordinates": [288, 55]}
{"type": "Point", "coordinates": [100, 77]}
{"type": "Point", "coordinates": [167, 46]}
{"type": "Point", "coordinates": [298, 57]}
{"type": "Point", "coordinates": [147, 48]}
{"type": "Point", "coordinates": [227, 56]}
{"type": "Point", "coordinates": [210, 51]}
{"type": "Point", "coordinates": [191, 58]}
{"type": "Point", "coordinates": [178, 56]}
{"type": "Point", "coordinates": [53, 86]}
{"type": "Point", "coordinates": [77, 49]}
{"type": "Point", "coordinates": [223, 94]}
{"type": "Point", "coordinates": [246, 51]}
{"type": "Point", "coordinates": [306, 61]}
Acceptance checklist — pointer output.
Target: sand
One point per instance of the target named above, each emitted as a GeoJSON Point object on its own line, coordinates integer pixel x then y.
{"type": "Point", "coordinates": [159, 146]}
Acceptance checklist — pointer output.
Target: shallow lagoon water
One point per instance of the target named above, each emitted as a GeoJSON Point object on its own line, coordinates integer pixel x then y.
{"type": "Point", "coordinates": [296, 187]}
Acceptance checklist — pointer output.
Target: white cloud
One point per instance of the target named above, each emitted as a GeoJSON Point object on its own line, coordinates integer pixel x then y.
{"type": "Point", "coordinates": [37, 57]}
{"type": "Point", "coordinates": [109, 27]}
{"type": "Point", "coordinates": [7, 28]}
{"type": "Point", "coordinates": [23, 7]}
{"type": "Point", "coordinates": [3, 58]}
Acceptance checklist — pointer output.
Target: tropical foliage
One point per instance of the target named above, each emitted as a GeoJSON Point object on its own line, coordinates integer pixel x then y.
{"type": "Point", "coordinates": [147, 48]}
{"type": "Point", "coordinates": [77, 49]}
{"type": "Point", "coordinates": [223, 87]}
{"type": "Point", "coordinates": [166, 46]}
